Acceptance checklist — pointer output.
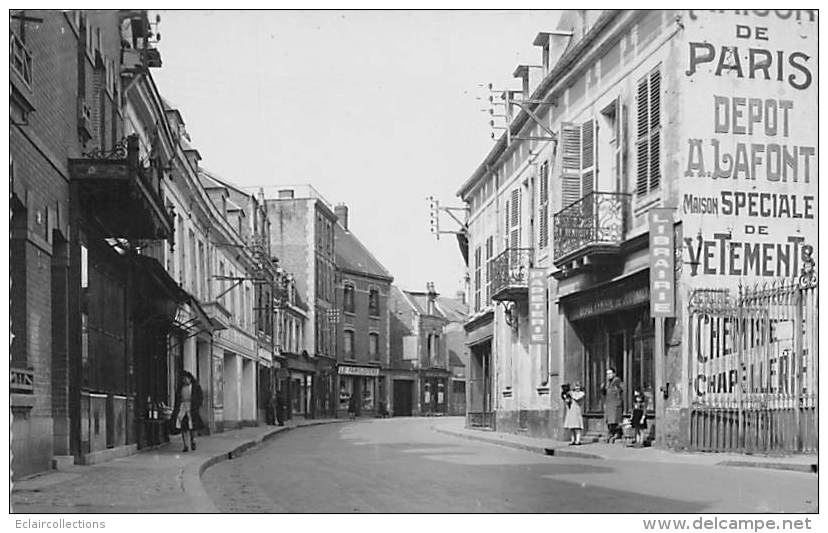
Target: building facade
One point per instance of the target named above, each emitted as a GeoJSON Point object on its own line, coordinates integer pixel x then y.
{"type": "Point", "coordinates": [362, 335]}
{"type": "Point", "coordinates": [427, 353]}
{"type": "Point", "coordinates": [302, 236]}
{"type": "Point", "coordinates": [596, 188]}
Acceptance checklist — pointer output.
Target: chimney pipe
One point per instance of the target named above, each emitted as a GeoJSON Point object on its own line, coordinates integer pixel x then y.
{"type": "Point", "coordinates": [341, 212]}
{"type": "Point", "coordinates": [432, 296]}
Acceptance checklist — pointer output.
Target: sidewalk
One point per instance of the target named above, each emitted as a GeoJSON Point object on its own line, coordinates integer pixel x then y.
{"type": "Point", "coordinates": [163, 480]}
{"type": "Point", "coordinates": [618, 452]}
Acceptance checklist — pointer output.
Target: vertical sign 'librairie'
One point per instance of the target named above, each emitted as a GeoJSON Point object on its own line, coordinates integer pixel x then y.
{"type": "Point", "coordinates": [662, 262]}
{"type": "Point", "coordinates": [537, 305]}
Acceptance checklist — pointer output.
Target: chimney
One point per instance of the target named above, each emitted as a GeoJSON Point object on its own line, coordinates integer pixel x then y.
{"type": "Point", "coordinates": [432, 297]}
{"type": "Point", "coordinates": [341, 212]}
{"type": "Point", "coordinates": [553, 44]}
{"type": "Point", "coordinates": [531, 76]}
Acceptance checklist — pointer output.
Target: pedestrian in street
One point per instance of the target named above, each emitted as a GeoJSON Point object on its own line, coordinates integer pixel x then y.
{"type": "Point", "coordinates": [270, 414]}
{"type": "Point", "coordinates": [352, 405]}
{"type": "Point", "coordinates": [639, 417]}
{"type": "Point", "coordinates": [188, 400]}
{"type": "Point", "coordinates": [280, 409]}
{"type": "Point", "coordinates": [574, 420]}
{"type": "Point", "coordinates": [613, 392]}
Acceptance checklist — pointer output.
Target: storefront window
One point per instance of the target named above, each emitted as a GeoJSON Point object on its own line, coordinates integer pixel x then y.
{"type": "Point", "coordinates": [346, 388]}
{"type": "Point", "coordinates": [368, 393]}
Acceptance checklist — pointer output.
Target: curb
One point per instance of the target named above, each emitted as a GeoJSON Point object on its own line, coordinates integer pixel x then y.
{"type": "Point", "coordinates": [191, 482]}
{"type": "Point", "coordinates": [557, 452]}
{"type": "Point", "coordinates": [563, 452]}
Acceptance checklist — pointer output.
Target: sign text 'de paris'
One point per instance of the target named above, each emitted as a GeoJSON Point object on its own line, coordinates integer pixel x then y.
{"type": "Point", "coordinates": [748, 178]}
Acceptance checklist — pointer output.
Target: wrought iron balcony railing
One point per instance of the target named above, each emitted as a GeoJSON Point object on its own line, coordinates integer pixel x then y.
{"type": "Point", "coordinates": [598, 220]}
{"type": "Point", "coordinates": [510, 273]}
{"type": "Point", "coordinates": [20, 59]}
{"type": "Point", "coordinates": [21, 380]}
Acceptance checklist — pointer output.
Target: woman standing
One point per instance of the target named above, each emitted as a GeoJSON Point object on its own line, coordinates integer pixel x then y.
{"type": "Point", "coordinates": [188, 400]}
{"type": "Point", "coordinates": [613, 391]}
{"type": "Point", "coordinates": [574, 420]}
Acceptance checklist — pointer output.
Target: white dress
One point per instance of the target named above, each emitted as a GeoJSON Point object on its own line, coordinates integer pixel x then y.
{"type": "Point", "coordinates": [574, 418]}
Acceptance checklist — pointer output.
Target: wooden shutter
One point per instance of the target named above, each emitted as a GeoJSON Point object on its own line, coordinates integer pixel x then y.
{"type": "Point", "coordinates": [514, 231]}
{"type": "Point", "coordinates": [589, 157]}
{"type": "Point", "coordinates": [570, 164]}
{"type": "Point", "coordinates": [543, 214]}
{"type": "Point", "coordinates": [655, 129]}
{"type": "Point", "coordinates": [642, 139]}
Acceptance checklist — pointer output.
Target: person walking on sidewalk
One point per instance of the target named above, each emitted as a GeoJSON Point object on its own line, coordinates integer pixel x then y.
{"type": "Point", "coordinates": [352, 406]}
{"type": "Point", "coordinates": [188, 400]}
{"type": "Point", "coordinates": [574, 420]}
{"type": "Point", "coordinates": [613, 392]}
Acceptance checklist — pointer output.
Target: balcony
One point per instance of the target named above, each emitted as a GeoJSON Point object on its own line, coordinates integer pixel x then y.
{"type": "Point", "coordinates": [122, 194]}
{"type": "Point", "coordinates": [590, 230]}
{"type": "Point", "coordinates": [21, 380]}
{"type": "Point", "coordinates": [21, 94]}
{"type": "Point", "coordinates": [510, 274]}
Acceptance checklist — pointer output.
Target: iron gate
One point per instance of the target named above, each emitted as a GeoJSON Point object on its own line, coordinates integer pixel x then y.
{"type": "Point", "coordinates": [754, 367]}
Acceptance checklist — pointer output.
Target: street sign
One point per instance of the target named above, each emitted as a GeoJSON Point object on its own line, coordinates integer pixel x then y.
{"type": "Point", "coordinates": [662, 263]}
{"type": "Point", "coordinates": [537, 306]}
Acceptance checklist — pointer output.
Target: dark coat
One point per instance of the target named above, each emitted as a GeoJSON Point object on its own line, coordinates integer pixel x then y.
{"type": "Point", "coordinates": [196, 399]}
{"type": "Point", "coordinates": [352, 404]}
{"type": "Point", "coordinates": [613, 392]}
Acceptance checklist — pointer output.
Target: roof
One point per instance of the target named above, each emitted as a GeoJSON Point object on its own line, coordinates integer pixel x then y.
{"type": "Point", "coordinates": [454, 310]}
{"type": "Point", "coordinates": [352, 255]}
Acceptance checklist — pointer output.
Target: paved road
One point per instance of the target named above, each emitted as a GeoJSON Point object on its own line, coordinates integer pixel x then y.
{"type": "Point", "coordinates": [402, 465]}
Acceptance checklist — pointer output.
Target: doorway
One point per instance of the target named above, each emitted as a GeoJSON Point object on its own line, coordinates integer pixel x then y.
{"type": "Point", "coordinates": [403, 393]}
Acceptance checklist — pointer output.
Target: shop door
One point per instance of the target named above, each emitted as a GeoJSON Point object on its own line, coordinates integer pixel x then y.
{"type": "Point", "coordinates": [403, 392]}
{"type": "Point", "coordinates": [357, 393]}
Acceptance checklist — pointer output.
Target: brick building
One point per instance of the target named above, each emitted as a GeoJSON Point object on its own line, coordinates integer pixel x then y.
{"type": "Point", "coordinates": [362, 335]}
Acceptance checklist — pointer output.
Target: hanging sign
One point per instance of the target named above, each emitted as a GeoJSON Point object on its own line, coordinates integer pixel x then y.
{"type": "Point", "coordinates": [662, 263]}
{"type": "Point", "coordinates": [537, 306]}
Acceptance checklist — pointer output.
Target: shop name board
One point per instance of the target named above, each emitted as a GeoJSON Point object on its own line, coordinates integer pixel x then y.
{"type": "Point", "coordinates": [358, 371]}
{"type": "Point", "coordinates": [614, 301]}
{"type": "Point", "coordinates": [537, 306]}
{"type": "Point", "coordinates": [662, 263]}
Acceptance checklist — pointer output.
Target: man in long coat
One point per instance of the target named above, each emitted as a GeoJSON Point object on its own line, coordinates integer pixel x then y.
{"type": "Point", "coordinates": [613, 391]}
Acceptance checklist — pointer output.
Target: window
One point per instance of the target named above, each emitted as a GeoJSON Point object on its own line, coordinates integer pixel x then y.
{"type": "Point", "coordinates": [513, 219]}
{"type": "Point", "coordinates": [579, 169]}
{"type": "Point", "coordinates": [191, 249]}
{"type": "Point", "coordinates": [543, 205]}
{"type": "Point", "coordinates": [348, 344]}
{"type": "Point", "coordinates": [489, 258]}
{"type": "Point", "coordinates": [373, 302]}
{"type": "Point", "coordinates": [373, 346]}
{"type": "Point", "coordinates": [348, 298]}
{"type": "Point", "coordinates": [648, 133]}
{"type": "Point", "coordinates": [477, 265]}
{"type": "Point", "coordinates": [458, 387]}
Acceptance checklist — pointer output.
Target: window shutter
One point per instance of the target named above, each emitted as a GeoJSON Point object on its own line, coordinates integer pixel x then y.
{"type": "Point", "coordinates": [570, 164]}
{"type": "Point", "coordinates": [655, 129]}
{"type": "Point", "coordinates": [514, 234]}
{"type": "Point", "coordinates": [642, 141]}
{"type": "Point", "coordinates": [588, 157]}
{"type": "Point", "coordinates": [543, 225]}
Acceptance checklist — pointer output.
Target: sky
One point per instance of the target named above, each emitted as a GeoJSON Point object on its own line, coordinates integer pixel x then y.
{"type": "Point", "coordinates": [375, 109]}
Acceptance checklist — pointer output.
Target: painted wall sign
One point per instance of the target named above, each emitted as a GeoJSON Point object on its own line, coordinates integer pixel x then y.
{"type": "Point", "coordinates": [537, 306]}
{"type": "Point", "coordinates": [662, 263]}
{"type": "Point", "coordinates": [358, 371]}
{"type": "Point", "coordinates": [748, 163]}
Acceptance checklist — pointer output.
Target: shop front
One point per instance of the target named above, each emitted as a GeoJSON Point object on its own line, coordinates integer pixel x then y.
{"type": "Point", "coordinates": [358, 387]}
{"type": "Point", "coordinates": [611, 327]}
{"type": "Point", "coordinates": [479, 398]}
{"type": "Point", "coordinates": [434, 392]}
